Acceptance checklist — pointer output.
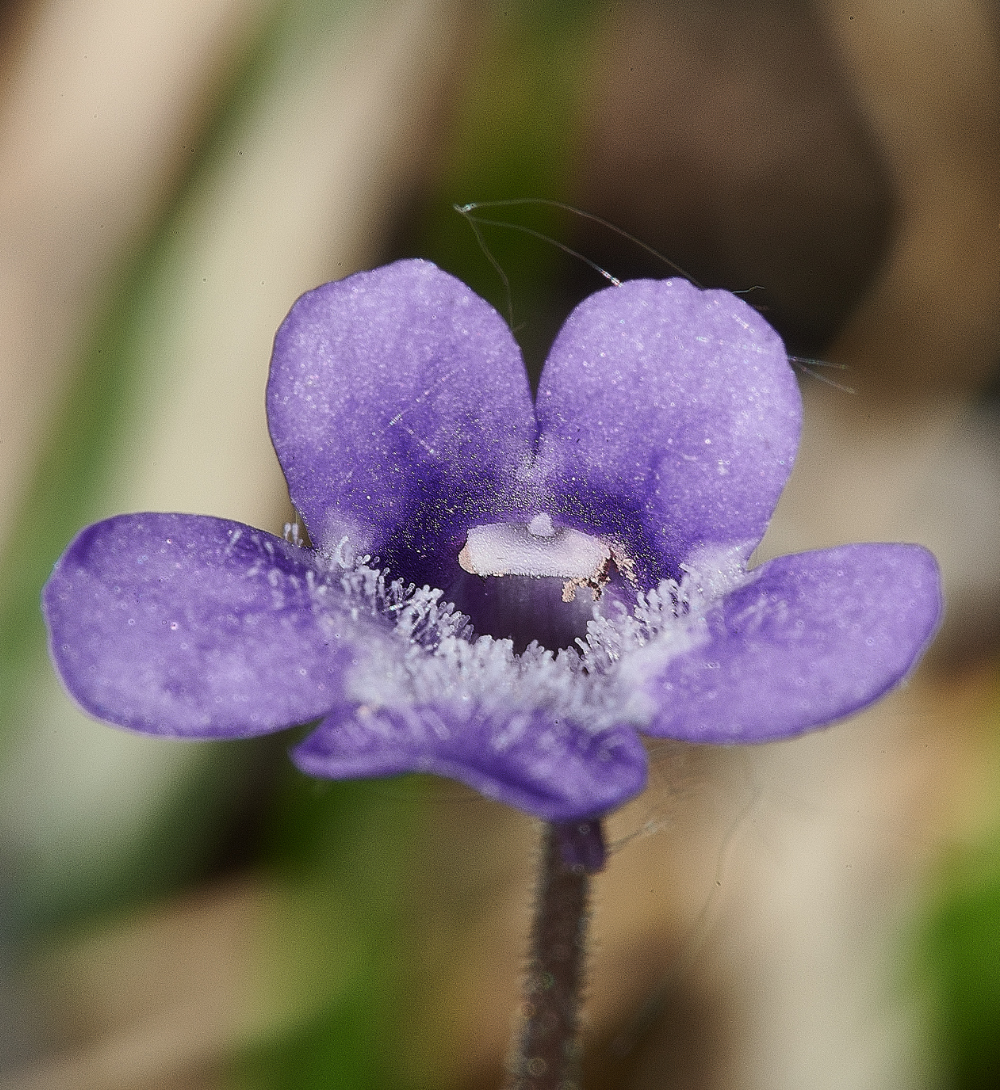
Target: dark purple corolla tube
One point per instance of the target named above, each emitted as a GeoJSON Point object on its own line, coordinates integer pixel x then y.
{"type": "Point", "coordinates": [498, 591]}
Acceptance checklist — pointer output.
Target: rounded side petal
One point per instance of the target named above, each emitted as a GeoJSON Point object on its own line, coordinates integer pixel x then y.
{"type": "Point", "coordinates": [809, 639]}
{"type": "Point", "coordinates": [552, 769]}
{"type": "Point", "coordinates": [669, 419]}
{"type": "Point", "coordinates": [194, 627]}
{"type": "Point", "coordinates": [400, 410]}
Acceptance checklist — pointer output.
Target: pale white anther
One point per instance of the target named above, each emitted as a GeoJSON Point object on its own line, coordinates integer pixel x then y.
{"type": "Point", "coordinates": [538, 548]}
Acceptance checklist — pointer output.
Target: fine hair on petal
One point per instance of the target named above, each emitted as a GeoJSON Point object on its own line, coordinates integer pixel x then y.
{"type": "Point", "coordinates": [439, 657]}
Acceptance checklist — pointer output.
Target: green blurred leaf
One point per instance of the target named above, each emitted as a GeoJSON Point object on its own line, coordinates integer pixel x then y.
{"type": "Point", "coordinates": [960, 956]}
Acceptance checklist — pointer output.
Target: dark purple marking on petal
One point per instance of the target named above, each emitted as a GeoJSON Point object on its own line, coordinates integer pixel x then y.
{"type": "Point", "coordinates": [400, 410]}
{"type": "Point", "coordinates": [808, 640]}
{"type": "Point", "coordinates": [552, 769]}
{"type": "Point", "coordinates": [195, 627]}
{"type": "Point", "coordinates": [669, 419]}
{"type": "Point", "coordinates": [523, 608]}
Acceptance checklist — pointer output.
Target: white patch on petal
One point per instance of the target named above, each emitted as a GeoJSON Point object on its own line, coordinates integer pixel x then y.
{"type": "Point", "coordinates": [538, 549]}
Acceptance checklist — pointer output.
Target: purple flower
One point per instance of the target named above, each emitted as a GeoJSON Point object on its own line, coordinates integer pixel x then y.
{"type": "Point", "coordinates": [499, 591]}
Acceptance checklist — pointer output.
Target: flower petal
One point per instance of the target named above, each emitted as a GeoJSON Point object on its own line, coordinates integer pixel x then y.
{"type": "Point", "coordinates": [807, 640]}
{"type": "Point", "coordinates": [553, 769]}
{"type": "Point", "coordinates": [400, 410]}
{"type": "Point", "coordinates": [195, 627]}
{"type": "Point", "coordinates": [669, 419]}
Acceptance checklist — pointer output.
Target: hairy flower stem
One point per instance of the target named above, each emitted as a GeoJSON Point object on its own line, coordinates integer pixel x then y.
{"type": "Point", "coordinates": [548, 1051]}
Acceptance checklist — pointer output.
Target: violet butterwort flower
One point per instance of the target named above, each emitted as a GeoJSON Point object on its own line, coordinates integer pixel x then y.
{"type": "Point", "coordinates": [499, 591]}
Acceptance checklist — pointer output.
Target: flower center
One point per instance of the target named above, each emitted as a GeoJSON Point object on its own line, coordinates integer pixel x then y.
{"type": "Point", "coordinates": [531, 581]}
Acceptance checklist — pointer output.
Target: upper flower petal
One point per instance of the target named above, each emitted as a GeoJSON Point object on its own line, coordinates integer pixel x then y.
{"type": "Point", "coordinates": [552, 768]}
{"type": "Point", "coordinates": [806, 640]}
{"type": "Point", "coordinates": [669, 419]}
{"type": "Point", "coordinates": [194, 626]}
{"type": "Point", "coordinates": [400, 410]}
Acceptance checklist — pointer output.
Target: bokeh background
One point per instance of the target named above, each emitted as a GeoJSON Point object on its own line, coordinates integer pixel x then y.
{"type": "Point", "coordinates": [823, 913]}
